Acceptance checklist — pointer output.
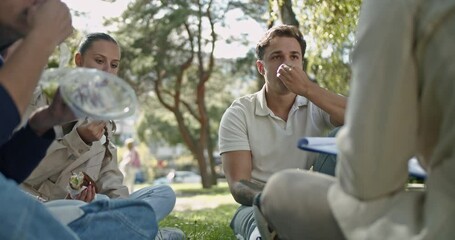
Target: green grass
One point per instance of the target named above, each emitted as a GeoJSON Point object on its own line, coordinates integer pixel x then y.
{"type": "Point", "coordinates": [205, 223]}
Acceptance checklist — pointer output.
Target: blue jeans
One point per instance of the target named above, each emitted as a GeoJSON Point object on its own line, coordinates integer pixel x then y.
{"type": "Point", "coordinates": [116, 219]}
{"type": "Point", "coordinates": [243, 222]}
{"type": "Point", "coordinates": [160, 197]}
{"type": "Point", "coordinates": [25, 218]}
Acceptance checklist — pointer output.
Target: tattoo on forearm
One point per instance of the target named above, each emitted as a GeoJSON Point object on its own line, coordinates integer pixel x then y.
{"type": "Point", "coordinates": [255, 186]}
{"type": "Point", "coordinates": [246, 190]}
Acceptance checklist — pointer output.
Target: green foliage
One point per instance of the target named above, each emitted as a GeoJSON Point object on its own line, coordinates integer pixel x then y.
{"type": "Point", "coordinates": [329, 28]}
{"type": "Point", "coordinates": [72, 42]}
{"type": "Point", "coordinates": [158, 123]}
{"type": "Point", "coordinates": [155, 44]}
{"type": "Point", "coordinates": [256, 9]}
{"type": "Point", "coordinates": [169, 48]}
{"type": "Point", "coordinates": [157, 37]}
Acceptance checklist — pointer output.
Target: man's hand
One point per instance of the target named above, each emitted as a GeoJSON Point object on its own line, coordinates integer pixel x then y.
{"type": "Point", "coordinates": [50, 19]}
{"type": "Point", "coordinates": [295, 79]}
{"type": "Point", "coordinates": [47, 117]}
{"type": "Point", "coordinates": [91, 131]}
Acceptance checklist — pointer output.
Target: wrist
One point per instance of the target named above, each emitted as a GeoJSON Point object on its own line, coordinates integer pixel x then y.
{"type": "Point", "coordinates": [41, 42]}
{"type": "Point", "coordinates": [308, 89]}
{"type": "Point", "coordinates": [39, 122]}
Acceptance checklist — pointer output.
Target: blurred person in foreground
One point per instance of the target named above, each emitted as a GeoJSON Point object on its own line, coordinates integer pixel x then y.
{"type": "Point", "coordinates": [42, 25]}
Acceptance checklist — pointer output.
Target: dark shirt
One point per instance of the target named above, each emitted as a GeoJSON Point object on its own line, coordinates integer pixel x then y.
{"type": "Point", "coordinates": [20, 152]}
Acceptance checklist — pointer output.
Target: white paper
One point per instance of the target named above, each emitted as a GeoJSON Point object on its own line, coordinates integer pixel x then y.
{"type": "Point", "coordinates": [319, 144]}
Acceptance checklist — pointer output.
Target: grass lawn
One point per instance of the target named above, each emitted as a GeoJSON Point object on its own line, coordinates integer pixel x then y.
{"type": "Point", "coordinates": [203, 214]}
{"type": "Point", "coordinates": [203, 224]}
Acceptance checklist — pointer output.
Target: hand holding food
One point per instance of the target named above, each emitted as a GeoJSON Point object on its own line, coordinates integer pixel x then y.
{"type": "Point", "coordinates": [78, 182]}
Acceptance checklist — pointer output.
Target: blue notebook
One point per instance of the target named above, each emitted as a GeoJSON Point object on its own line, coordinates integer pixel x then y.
{"type": "Point", "coordinates": [328, 145]}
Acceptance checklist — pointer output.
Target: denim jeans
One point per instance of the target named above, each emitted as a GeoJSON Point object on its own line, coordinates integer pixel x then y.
{"type": "Point", "coordinates": [116, 219]}
{"type": "Point", "coordinates": [161, 197]}
{"type": "Point", "coordinates": [243, 222]}
{"type": "Point", "coordinates": [23, 217]}
{"type": "Point", "coordinates": [26, 218]}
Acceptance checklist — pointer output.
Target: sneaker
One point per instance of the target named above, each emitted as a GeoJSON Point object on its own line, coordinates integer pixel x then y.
{"type": "Point", "coordinates": [169, 233]}
{"type": "Point", "coordinates": [255, 235]}
{"type": "Point", "coordinates": [239, 237]}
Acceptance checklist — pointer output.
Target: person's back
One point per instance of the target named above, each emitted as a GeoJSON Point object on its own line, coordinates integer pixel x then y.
{"type": "Point", "coordinates": [435, 61]}
{"type": "Point", "coordinates": [435, 55]}
{"type": "Point", "coordinates": [42, 25]}
{"type": "Point", "coordinates": [417, 120]}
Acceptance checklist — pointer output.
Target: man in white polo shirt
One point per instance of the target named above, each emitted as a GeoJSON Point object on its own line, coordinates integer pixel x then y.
{"type": "Point", "coordinates": [258, 133]}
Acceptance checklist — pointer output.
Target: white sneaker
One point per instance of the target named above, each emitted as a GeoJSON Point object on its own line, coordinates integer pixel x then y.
{"type": "Point", "coordinates": [255, 235]}
{"type": "Point", "coordinates": [169, 233]}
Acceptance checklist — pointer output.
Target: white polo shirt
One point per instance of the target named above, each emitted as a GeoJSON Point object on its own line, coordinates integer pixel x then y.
{"type": "Point", "coordinates": [248, 124]}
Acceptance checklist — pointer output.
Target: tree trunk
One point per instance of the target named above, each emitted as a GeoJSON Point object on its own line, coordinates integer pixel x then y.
{"type": "Point", "coordinates": [287, 15]}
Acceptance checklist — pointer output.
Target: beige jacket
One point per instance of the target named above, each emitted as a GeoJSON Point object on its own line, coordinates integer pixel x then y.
{"type": "Point", "coordinates": [69, 154]}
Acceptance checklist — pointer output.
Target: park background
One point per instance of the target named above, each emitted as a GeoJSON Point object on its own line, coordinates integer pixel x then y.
{"type": "Point", "coordinates": [187, 62]}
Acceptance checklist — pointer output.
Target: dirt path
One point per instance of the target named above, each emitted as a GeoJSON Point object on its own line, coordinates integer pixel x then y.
{"type": "Point", "coordinates": [202, 202]}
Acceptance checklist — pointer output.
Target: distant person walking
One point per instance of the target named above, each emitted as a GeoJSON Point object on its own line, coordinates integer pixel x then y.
{"type": "Point", "coordinates": [130, 164]}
